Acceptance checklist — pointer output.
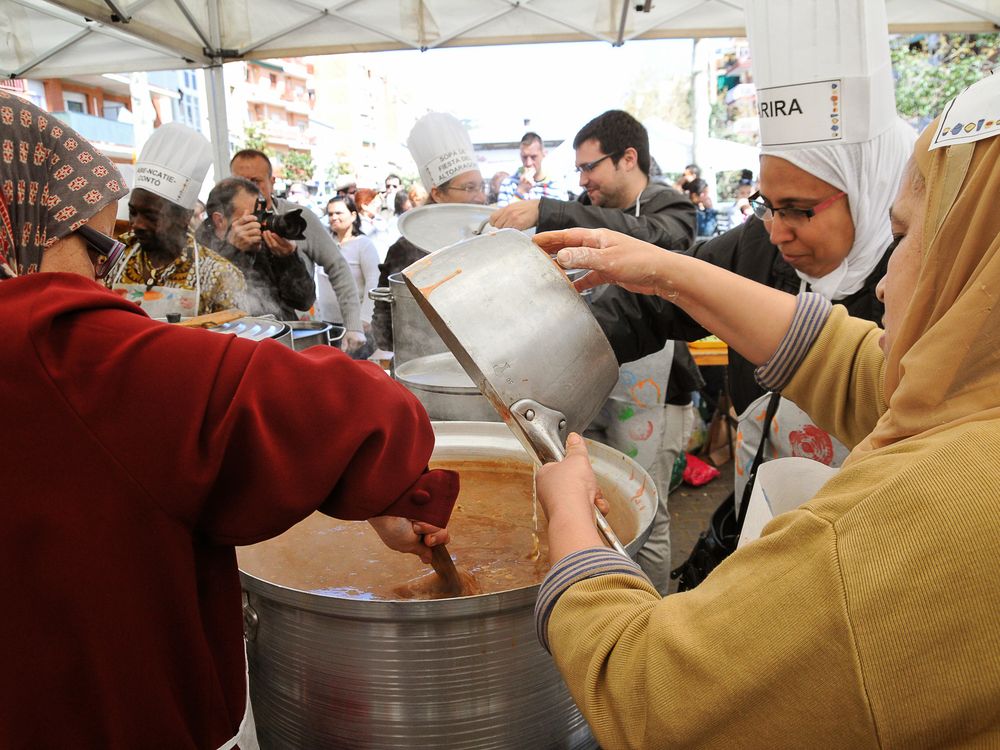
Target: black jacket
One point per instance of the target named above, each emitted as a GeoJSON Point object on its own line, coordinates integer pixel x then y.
{"type": "Point", "coordinates": [666, 217]}
{"type": "Point", "coordinates": [276, 284]}
{"type": "Point", "coordinates": [637, 325]}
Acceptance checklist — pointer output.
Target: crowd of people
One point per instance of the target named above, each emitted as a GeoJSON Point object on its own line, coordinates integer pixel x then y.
{"type": "Point", "coordinates": [854, 279]}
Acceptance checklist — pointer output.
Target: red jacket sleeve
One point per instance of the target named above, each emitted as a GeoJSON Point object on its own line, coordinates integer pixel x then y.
{"type": "Point", "coordinates": [239, 439]}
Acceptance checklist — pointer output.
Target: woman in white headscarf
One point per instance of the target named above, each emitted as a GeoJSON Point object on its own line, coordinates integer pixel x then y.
{"type": "Point", "coordinates": [821, 224]}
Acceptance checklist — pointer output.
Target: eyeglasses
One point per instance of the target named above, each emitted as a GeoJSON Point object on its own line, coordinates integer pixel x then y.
{"type": "Point", "coordinates": [591, 165]}
{"type": "Point", "coordinates": [108, 248]}
{"type": "Point", "coordinates": [469, 189]}
{"type": "Point", "coordinates": [791, 216]}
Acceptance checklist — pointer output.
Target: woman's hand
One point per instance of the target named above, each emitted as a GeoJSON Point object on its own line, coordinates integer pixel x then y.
{"type": "Point", "coordinates": [613, 258]}
{"type": "Point", "coordinates": [413, 537]}
{"type": "Point", "coordinates": [568, 491]}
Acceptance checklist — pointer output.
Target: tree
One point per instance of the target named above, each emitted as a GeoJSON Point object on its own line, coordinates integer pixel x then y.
{"type": "Point", "coordinates": [255, 137]}
{"type": "Point", "coordinates": [653, 96]}
{"type": "Point", "coordinates": [298, 166]}
{"type": "Point", "coordinates": [931, 70]}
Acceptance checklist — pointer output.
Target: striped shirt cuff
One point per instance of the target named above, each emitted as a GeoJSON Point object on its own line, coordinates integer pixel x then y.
{"type": "Point", "coordinates": [575, 567]}
{"type": "Point", "coordinates": [811, 312]}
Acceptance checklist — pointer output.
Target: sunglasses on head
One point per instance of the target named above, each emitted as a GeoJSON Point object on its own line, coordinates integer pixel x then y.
{"type": "Point", "coordinates": [107, 248]}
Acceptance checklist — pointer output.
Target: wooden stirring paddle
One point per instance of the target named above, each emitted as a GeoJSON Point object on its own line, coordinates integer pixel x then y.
{"type": "Point", "coordinates": [457, 582]}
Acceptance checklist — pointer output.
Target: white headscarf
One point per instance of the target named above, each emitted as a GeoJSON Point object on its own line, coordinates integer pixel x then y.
{"type": "Point", "coordinates": [869, 173]}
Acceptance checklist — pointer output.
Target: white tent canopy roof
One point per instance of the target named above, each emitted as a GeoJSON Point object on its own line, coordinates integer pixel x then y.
{"type": "Point", "coordinates": [54, 38]}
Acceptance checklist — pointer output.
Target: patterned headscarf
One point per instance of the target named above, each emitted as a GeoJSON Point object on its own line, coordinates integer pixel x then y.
{"type": "Point", "coordinates": [52, 181]}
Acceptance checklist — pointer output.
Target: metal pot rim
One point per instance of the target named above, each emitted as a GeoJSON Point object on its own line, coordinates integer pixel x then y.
{"type": "Point", "coordinates": [470, 440]}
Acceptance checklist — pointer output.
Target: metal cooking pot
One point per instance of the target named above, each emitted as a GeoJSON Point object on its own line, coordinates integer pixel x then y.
{"type": "Point", "coordinates": [413, 335]}
{"type": "Point", "coordinates": [448, 673]}
{"type": "Point", "coordinates": [514, 321]}
{"type": "Point", "coordinates": [445, 389]}
{"type": "Point", "coordinates": [306, 333]}
{"type": "Point", "coordinates": [257, 329]}
{"type": "Point", "coordinates": [421, 361]}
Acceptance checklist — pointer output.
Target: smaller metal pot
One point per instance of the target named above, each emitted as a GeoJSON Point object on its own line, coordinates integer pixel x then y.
{"type": "Point", "coordinates": [306, 333]}
{"type": "Point", "coordinates": [257, 329]}
{"type": "Point", "coordinates": [445, 389]}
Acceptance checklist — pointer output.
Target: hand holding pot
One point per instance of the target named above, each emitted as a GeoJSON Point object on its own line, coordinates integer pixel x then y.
{"type": "Point", "coordinates": [614, 258]}
{"type": "Point", "coordinates": [354, 340]}
{"type": "Point", "coordinates": [518, 215]}
{"type": "Point", "coordinates": [404, 535]}
{"type": "Point", "coordinates": [568, 492]}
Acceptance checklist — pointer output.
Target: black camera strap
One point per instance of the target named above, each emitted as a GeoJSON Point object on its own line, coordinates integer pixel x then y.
{"type": "Point", "coordinates": [772, 409]}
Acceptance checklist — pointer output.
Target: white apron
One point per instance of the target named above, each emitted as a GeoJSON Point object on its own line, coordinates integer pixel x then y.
{"type": "Point", "coordinates": [159, 301]}
{"type": "Point", "coordinates": [246, 737]}
{"type": "Point", "coordinates": [636, 422]}
{"type": "Point", "coordinates": [782, 485]}
{"type": "Point", "coordinates": [792, 434]}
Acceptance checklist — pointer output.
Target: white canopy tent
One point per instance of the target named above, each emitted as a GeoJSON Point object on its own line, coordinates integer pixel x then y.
{"type": "Point", "coordinates": [55, 38]}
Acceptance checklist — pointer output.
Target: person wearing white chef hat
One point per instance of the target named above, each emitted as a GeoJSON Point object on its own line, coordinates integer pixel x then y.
{"type": "Point", "coordinates": [833, 152]}
{"type": "Point", "coordinates": [441, 147]}
{"type": "Point", "coordinates": [164, 269]}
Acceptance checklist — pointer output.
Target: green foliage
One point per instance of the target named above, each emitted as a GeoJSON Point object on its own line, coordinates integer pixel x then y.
{"type": "Point", "coordinates": [653, 96]}
{"type": "Point", "coordinates": [930, 71]}
{"type": "Point", "coordinates": [255, 137]}
{"type": "Point", "coordinates": [298, 166]}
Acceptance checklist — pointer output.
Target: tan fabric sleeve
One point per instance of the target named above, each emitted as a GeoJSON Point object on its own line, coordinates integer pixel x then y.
{"type": "Point", "coordinates": [732, 663]}
{"type": "Point", "coordinates": [839, 383]}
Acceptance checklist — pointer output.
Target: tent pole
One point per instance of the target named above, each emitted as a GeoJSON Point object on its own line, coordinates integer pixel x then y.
{"type": "Point", "coordinates": [218, 120]}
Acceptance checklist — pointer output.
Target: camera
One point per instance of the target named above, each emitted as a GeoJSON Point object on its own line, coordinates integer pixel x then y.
{"type": "Point", "coordinates": [289, 225]}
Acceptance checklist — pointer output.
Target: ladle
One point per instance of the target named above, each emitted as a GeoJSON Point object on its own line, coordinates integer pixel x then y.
{"type": "Point", "coordinates": [457, 582]}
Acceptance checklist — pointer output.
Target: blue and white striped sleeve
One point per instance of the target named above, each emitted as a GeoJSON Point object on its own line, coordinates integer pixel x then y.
{"type": "Point", "coordinates": [811, 312]}
{"type": "Point", "coordinates": [575, 567]}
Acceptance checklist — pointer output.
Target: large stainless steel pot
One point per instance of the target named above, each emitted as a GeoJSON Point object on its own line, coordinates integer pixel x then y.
{"type": "Point", "coordinates": [328, 672]}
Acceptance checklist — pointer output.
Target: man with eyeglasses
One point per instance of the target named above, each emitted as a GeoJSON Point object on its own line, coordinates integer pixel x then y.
{"type": "Point", "coordinates": [442, 150]}
{"type": "Point", "coordinates": [612, 158]}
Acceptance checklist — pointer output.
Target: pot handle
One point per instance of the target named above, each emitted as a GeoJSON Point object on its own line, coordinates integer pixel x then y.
{"type": "Point", "coordinates": [545, 428]}
{"type": "Point", "coordinates": [380, 294]}
{"type": "Point", "coordinates": [250, 619]}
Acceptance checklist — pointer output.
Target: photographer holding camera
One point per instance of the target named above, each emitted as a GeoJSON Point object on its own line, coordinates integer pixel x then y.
{"type": "Point", "coordinates": [260, 243]}
{"type": "Point", "coordinates": [318, 247]}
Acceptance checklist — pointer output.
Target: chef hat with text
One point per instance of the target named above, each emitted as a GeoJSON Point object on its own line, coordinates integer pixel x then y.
{"type": "Point", "coordinates": [173, 164]}
{"type": "Point", "coordinates": [441, 147]}
{"type": "Point", "coordinates": [972, 115]}
{"type": "Point", "coordinates": [822, 71]}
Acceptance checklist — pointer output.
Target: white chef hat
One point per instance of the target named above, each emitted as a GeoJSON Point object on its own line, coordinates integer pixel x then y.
{"type": "Point", "coordinates": [972, 115]}
{"type": "Point", "coordinates": [173, 164]}
{"type": "Point", "coordinates": [822, 71]}
{"type": "Point", "coordinates": [441, 147]}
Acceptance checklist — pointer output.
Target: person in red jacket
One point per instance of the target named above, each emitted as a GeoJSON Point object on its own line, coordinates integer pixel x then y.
{"type": "Point", "coordinates": [136, 455]}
